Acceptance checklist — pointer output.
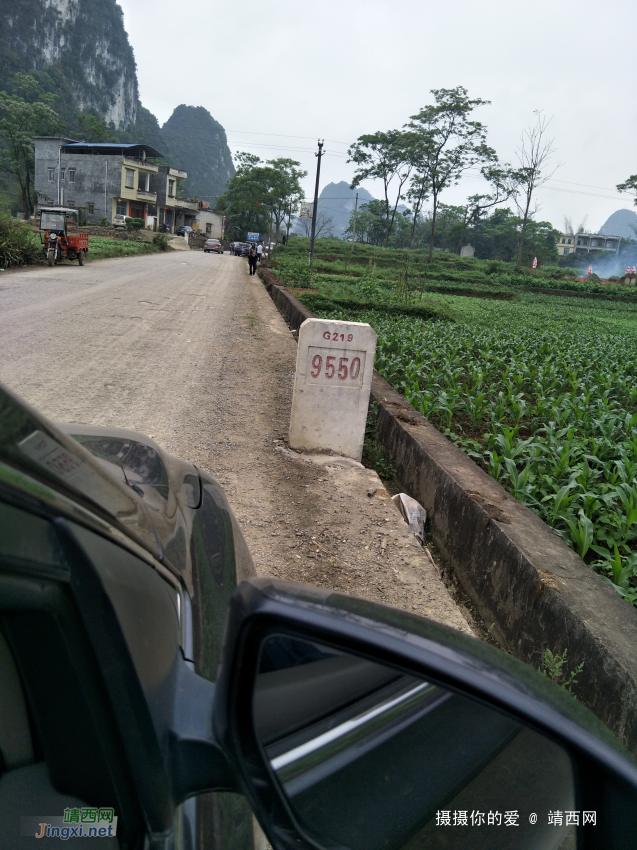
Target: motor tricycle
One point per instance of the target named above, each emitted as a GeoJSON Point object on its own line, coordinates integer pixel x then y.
{"type": "Point", "coordinates": [61, 236]}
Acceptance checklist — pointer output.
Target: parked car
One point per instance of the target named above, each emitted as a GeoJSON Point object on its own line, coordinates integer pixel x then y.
{"type": "Point", "coordinates": [183, 230]}
{"type": "Point", "coordinates": [127, 707]}
{"type": "Point", "coordinates": [241, 249]}
{"type": "Point", "coordinates": [119, 220]}
{"type": "Point", "coordinates": [213, 246]}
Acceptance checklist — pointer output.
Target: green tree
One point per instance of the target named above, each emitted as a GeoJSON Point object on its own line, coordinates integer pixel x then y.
{"type": "Point", "coordinates": [629, 185]}
{"type": "Point", "coordinates": [446, 143]}
{"type": "Point", "coordinates": [503, 182]}
{"type": "Point", "coordinates": [417, 193]}
{"type": "Point", "coordinates": [258, 190]}
{"type": "Point", "coordinates": [23, 115]}
{"type": "Point", "coordinates": [386, 157]}
{"type": "Point", "coordinates": [371, 225]}
{"type": "Point", "coordinates": [497, 238]}
{"type": "Point", "coordinates": [283, 178]}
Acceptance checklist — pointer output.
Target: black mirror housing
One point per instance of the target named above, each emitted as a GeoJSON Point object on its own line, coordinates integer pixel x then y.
{"type": "Point", "coordinates": [606, 776]}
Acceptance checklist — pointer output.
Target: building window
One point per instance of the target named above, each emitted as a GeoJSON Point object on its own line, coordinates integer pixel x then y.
{"type": "Point", "coordinates": [567, 251]}
{"type": "Point", "coordinates": [569, 242]}
{"type": "Point", "coordinates": [144, 180]}
{"type": "Point", "coordinates": [171, 188]}
{"type": "Point", "coordinates": [122, 208]}
{"type": "Point", "coordinates": [130, 178]}
{"type": "Point", "coordinates": [51, 175]}
{"type": "Point", "coordinates": [71, 175]}
{"type": "Point", "coordinates": [62, 173]}
{"type": "Point", "coordinates": [90, 208]}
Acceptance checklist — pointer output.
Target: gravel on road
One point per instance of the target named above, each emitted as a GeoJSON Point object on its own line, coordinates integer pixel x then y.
{"type": "Point", "coordinates": [189, 349]}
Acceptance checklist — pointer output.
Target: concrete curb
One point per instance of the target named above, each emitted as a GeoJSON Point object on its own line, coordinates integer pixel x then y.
{"type": "Point", "coordinates": [532, 590]}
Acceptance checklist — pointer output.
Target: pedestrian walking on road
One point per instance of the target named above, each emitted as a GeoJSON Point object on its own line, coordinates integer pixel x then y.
{"type": "Point", "coordinates": [252, 259]}
{"type": "Point", "coordinates": [259, 252]}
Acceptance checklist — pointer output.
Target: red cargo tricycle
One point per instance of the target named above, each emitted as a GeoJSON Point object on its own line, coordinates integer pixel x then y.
{"type": "Point", "coordinates": [62, 238]}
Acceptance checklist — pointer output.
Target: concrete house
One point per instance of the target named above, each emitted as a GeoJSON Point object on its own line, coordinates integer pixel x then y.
{"type": "Point", "coordinates": [565, 244]}
{"type": "Point", "coordinates": [584, 243]}
{"type": "Point", "coordinates": [209, 222]}
{"type": "Point", "coordinates": [105, 179]}
{"type": "Point", "coordinates": [587, 242]}
{"type": "Point", "coordinates": [173, 211]}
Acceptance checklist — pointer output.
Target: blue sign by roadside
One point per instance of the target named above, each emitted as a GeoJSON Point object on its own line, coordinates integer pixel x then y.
{"type": "Point", "coordinates": [253, 237]}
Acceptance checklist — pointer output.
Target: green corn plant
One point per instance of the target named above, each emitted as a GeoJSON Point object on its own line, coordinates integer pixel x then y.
{"type": "Point", "coordinates": [582, 532]}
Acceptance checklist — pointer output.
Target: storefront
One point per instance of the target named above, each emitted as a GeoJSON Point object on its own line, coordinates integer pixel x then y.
{"type": "Point", "coordinates": [132, 209]}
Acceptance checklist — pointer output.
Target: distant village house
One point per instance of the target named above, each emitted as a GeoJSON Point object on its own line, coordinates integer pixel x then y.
{"type": "Point", "coordinates": [584, 243]}
{"type": "Point", "coordinates": [105, 179]}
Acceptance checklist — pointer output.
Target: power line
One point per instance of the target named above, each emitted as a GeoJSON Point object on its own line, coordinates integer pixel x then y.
{"type": "Point", "coordinates": [240, 145]}
{"type": "Point", "coordinates": [283, 136]}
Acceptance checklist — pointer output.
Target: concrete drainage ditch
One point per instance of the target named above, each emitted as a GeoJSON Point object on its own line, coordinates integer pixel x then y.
{"type": "Point", "coordinates": [532, 590]}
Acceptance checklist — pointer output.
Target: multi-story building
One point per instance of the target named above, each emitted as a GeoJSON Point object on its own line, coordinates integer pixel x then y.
{"type": "Point", "coordinates": [589, 242]}
{"type": "Point", "coordinates": [173, 211]}
{"type": "Point", "coordinates": [108, 178]}
{"type": "Point", "coordinates": [584, 243]}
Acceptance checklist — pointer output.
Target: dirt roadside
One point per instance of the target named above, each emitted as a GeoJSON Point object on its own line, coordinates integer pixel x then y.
{"type": "Point", "coordinates": [324, 521]}
{"type": "Point", "coordinates": [187, 348]}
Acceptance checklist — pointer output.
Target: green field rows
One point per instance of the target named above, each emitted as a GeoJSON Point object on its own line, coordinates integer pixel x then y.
{"type": "Point", "coordinates": [542, 392]}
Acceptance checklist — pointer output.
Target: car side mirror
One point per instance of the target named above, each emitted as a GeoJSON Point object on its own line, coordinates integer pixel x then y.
{"type": "Point", "coordinates": [351, 725]}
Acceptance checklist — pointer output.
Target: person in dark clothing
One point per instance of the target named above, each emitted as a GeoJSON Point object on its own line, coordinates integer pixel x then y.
{"type": "Point", "coordinates": [252, 259]}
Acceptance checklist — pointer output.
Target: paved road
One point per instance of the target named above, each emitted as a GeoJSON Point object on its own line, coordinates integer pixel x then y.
{"type": "Point", "coordinates": [187, 348]}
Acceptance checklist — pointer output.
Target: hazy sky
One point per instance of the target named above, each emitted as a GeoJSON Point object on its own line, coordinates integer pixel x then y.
{"type": "Point", "coordinates": [278, 74]}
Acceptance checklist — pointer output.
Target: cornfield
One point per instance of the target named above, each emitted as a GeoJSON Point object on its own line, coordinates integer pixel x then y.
{"type": "Point", "coordinates": [542, 392]}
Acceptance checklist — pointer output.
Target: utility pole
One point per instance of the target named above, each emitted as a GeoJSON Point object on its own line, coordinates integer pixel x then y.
{"type": "Point", "coordinates": [59, 167]}
{"type": "Point", "coordinates": [287, 236]}
{"type": "Point", "coordinates": [354, 228]}
{"type": "Point", "coordinates": [319, 155]}
{"type": "Point", "coordinates": [270, 233]}
{"type": "Point", "coordinates": [107, 216]}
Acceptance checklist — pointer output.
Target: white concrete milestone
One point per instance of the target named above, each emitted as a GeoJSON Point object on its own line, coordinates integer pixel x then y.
{"type": "Point", "coordinates": [334, 367]}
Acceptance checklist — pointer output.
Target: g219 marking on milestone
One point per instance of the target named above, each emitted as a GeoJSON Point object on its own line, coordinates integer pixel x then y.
{"type": "Point", "coordinates": [335, 367]}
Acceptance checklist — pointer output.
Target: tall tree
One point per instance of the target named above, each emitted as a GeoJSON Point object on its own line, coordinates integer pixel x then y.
{"type": "Point", "coordinates": [283, 178]}
{"type": "Point", "coordinates": [418, 193]}
{"type": "Point", "coordinates": [496, 237]}
{"type": "Point", "coordinates": [258, 190]}
{"type": "Point", "coordinates": [371, 225]}
{"type": "Point", "coordinates": [534, 152]}
{"type": "Point", "coordinates": [386, 157]}
{"type": "Point", "coordinates": [446, 143]}
{"type": "Point", "coordinates": [629, 185]}
{"type": "Point", "coordinates": [23, 115]}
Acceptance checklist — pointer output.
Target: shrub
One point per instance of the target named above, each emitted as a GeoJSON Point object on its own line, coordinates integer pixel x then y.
{"type": "Point", "coordinates": [161, 241]}
{"type": "Point", "coordinates": [103, 221]}
{"type": "Point", "coordinates": [134, 223]}
{"type": "Point", "coordinates": [18, 244]}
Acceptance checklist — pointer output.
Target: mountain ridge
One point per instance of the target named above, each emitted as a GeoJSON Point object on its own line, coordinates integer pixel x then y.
{"type": "Point", "coordinates": [337, 202]}
{"type": "Point", "coordinates": [619, 224]}
{"type": "Point", "coordinates": [80, 51]}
